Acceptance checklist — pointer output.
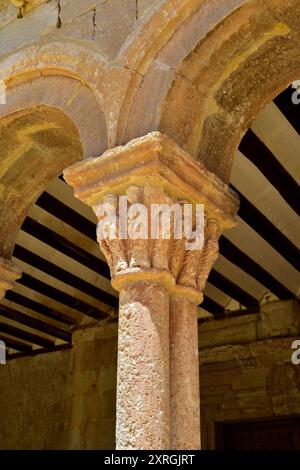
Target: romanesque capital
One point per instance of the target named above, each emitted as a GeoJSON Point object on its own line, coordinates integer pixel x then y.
{"type": "Point", "coordinates": [9, 273]}
{"type": "Point", "coordinates": [134, 255]}
{"type": "Point", "coordinates": [149, 171]}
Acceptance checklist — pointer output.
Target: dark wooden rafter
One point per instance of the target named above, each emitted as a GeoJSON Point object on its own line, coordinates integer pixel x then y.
{"type": "Point", "coordinates": [231, 289]}
{"type": "Point", "coordinates": [244, 262]}
{"type": "Point", "coordinates": [15, 344]}
{"type": "Point", "coordinates": [63, 275]}
{"type": "Point", "coordinates": [211, 306]}
{"type": "Point", "coordinates": [289, 109]}
{"type": "Point", "coordinates": [65, 246]}
{"type": "Point", "coordinates": [24, 335]}
{"type": "Point", "coordinates": [38, 307]}
{"type": "Point", "coordinates": [61, 297]}
{"type": "Point", "coordinates": [259, 154]}
{"type": "Point", "coordinates": [67, 215]}
{"type": "Point", "coordinates": [253, 217]}
{"type": "Point", "coordinates": [35, 352]}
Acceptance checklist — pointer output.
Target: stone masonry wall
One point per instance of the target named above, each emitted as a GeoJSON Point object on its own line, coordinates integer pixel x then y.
{"type": "Point", "coordinates": [247, 371]}
{"type": "Point", "coordinates": [247, 382]}
{"type": "Point", "coordinates": [67, 399]}
{"type": "Point", "coordinates": [92, 22]}
{"type": "Point", "coordinates": [93, 388]}
{"type": "Point", "coordinates": [62, 400]}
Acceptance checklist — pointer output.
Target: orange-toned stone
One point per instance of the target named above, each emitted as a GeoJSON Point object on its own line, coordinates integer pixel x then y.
{"type": "Point", "coordinates": [190, 273]}
{"type": "Point", "coordinates": [155, 170]}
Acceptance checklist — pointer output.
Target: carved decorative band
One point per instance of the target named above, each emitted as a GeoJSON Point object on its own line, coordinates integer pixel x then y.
{"type": "Point", "coordinates": [157, 160]}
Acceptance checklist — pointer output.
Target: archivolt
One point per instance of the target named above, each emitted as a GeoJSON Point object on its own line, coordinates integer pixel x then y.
{"type": "Point", "coordinates": [50, 120]}
{"type": "Point", "coordinates": [212, 76]}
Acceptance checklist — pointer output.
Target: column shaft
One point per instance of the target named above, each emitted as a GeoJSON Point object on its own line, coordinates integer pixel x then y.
{"type": "Point", "coordinates": [184, 375]}
{"type": "Point", "coordinates": [143, 368]}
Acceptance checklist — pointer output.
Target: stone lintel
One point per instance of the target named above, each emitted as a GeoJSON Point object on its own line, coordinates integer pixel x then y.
{"type": "Point", "coordinates": [157, 160]}
{"type": "Point", "coordinates": [9, 273]}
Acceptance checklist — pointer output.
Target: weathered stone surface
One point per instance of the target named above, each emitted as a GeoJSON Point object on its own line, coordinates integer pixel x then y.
{"type": "Point", "coordinates": [111, 30]}
{"type": "Point", "coordinates": [92, 388]}
{"type": "Point", "coordinates": [279, 319]}
{"type": "Point", "coordinates": [276, 319]}
{"type": "Point", "coordinates": [72, 10]}
{"type": "Point", "coordinates": [184, 380]}
{"type": "Point", "coordinates": [230, 331]}
{"type": "Point", "coordinates": [143, 415]}
{"type": "Point", "coordinates": [37, 388]}
{"type": "Point", "coordinates": [8, 12]}
{"type": "Point", "coordinates": [256, 41]}
{"type": "Point", "coordinates": [153, 159]}
{"type": "Point", "coordinates": [31, 28]}
{"type": "Point", "coordinates": [250, 381]}
{"type": "Point", "coordinates": [83, 29]}
{"type": "Point", "coordinates": [96, 21]}
{"type": "Point", "coordinates": [25, 166]}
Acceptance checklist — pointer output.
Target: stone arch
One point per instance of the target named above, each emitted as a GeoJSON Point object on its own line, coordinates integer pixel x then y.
{"type": "Point", "coordinates": [47, 124]}
{"type": "Point", "coordinates": [220, 66]}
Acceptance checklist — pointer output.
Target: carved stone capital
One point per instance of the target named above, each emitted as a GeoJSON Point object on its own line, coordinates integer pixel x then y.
{"type": "Point", "coordinates": [9, 273]}
{"type": "Point", "coordinates": [153, 170]}
{"type": "Point", "coordinates": [133, 255]}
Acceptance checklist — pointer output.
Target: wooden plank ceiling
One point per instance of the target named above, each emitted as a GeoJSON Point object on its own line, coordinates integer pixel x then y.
{"type": "Point", "coordinates": [65, 277]}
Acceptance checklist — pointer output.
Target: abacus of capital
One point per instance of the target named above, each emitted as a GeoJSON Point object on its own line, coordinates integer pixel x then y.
{"type": "Point", "coordinates": [160, 285]}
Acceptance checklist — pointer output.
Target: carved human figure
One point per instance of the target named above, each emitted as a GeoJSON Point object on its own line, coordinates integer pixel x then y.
{"type": "Point", "coordinates": [138, 225]}
{"type": "Point", "coordinates": [113, 248]}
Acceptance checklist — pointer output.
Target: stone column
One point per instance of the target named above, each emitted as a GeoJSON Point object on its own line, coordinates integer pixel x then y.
{"type": "Point", "coordinates": [143, 393]}
{"type": "Point", "coordinates": [9, 273]}
{"type": "Point", "coordinates": [149, 170]}
{"type": "Point", "coordinates": [190, 278]}
{"type": "Point", "coordinates": [140, 272]}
